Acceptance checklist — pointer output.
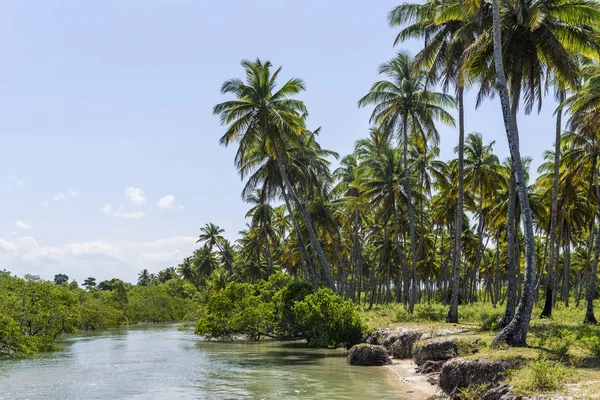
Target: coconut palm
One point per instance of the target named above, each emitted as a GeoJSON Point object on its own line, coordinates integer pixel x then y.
{"type": "Point", "coordinates": [403, 105]}
{"type": "Point", "coordinates": [263, 119]}
{"type": "Point", "coordinates": [445, 41]}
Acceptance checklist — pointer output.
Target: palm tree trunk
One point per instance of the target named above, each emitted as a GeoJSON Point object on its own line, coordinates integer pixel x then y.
{"type": "Point", "coordinates": [303, 256]}
{"type": "Point", "coordinates": [314, 241]}
{"type": "Point", "coordinates": [515, 333]}
{"type": "Point", "coordinates": [567, 263]}
{"type": "Point", "coordinates": [411, 216]}
{"type": "Point", "coordinates": [547, 312]}
{"type": "Point", "coordinates": [270, 269]}
{"type": "Point", "coordinates": [590, 318]}
{"type": "Point", "coordinates": [452, 316]}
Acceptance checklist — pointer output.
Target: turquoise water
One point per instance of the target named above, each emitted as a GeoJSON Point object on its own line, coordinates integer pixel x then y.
{"type": "Point", "coordinates": [160, 362]}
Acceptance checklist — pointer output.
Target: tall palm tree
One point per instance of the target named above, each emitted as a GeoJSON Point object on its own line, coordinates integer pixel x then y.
{"type": "Point", "coordinates": [584, 107]}
{"type": "Point", "coordinates": [515, 333]}
{"type": "Point", "coordinates": [445, 41]}
{"type": "Point", "coordinates": [261, 215]}
{"type": "Point", "coordinates": [262, 119]}
{"type": "Point", "coordinates": [403, 105]}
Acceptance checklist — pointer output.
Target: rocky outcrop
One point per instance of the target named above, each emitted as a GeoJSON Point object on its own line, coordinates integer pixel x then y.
{"type": "Point", "coordinates": [368, 355]}
{"type": "Point", "coordinates": [460, 373]}
{"type": "Point", "coordinates": [430, 367]}
{"type": "Point", "coordinates": [441, 349]}
{"type": "Point", "coordinates": [403, 344]}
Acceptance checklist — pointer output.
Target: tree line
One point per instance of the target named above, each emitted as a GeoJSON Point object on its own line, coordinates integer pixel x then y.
{"type": "Point", "coordinates": [394, 223]}
{"type": "Point", "coordinates": [35, 312]}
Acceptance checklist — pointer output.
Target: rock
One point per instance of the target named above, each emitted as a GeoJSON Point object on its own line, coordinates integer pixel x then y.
{"type": "Point", "coordinates": [402, 347]}
{"type": "Point", "coordinates": [435, 350]}
{"type": "Point", "coordinates": [438, 397]}
{"type": "Point", "coordinates": [377, 337]}
{"type": "Point", "coordinates": [368, 355]}
{"type": "Point", "coordinates": [443, 349]}
{"type": "Point", "coordinates": [461, 373]}
{"type": "Point", "coordinates": [502, 392]}
{"type": "Point", "coordinates": [430, 367]}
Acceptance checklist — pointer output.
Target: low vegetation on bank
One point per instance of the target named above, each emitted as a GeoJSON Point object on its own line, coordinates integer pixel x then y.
{"type": "Point", "coordinates": [34, 312]}
{"type": "Point", "coordinates": [562, 356]}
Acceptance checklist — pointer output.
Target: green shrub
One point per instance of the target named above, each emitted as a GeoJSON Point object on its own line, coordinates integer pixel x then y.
{"type": "Point", "coordinates": [593, 345]}
{"type": "Point", "coordinates": [490, 321]}
{"type": "Point", "coordinates": [541, 375]}
{"type": "Point", "coordinates": [472, 392]}
{"type": "Point", "coordinates": [327, 320]}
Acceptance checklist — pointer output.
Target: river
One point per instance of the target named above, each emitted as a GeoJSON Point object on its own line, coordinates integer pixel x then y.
{"type": "Point", "coordinates": [161, 362]}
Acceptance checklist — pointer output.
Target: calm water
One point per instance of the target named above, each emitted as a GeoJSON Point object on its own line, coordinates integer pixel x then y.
{"type": "Point", "coordinates": [160, 362]}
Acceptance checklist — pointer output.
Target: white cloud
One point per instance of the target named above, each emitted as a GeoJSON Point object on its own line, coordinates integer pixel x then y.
{"type": "Point", "coordinates": [21, 225]}
{"type": "Point", "coordinates": [110, 212]}
{"type": "Point", "coordinates": [59, 196]}
{"type": "Point", "coordinates": [12, 181]}
{"type": "Point", "coordinates": [134, 214]}
{"type": "Point", "coordinates": [107, 210]}
{"type": "Point", "coordinates": [135, 195]}
{"type": "Point", "coordinates": [166, 202]}
{"type": "Point", "coordinates": [99, 259]}
{"type": "Point", "coordinates": [68, 193]}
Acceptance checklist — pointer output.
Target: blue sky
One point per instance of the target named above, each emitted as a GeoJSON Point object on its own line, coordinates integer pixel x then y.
{"type": "Point", "coordinates": [109, 154]}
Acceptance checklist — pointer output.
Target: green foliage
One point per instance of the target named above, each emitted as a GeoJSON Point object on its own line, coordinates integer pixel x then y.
{"type": "Point", "coordinates": [280, 308]}
{"type": "Point", "coordinates": [36, 312]}
{"type": "Point", "coordinates": [490, 321]}
{"type": "Point", "coordinates": [328, 320]}
{"type": "Point", "coordinates": [472, 392]}
{"type": "Point", "coordinates": [541, 375]}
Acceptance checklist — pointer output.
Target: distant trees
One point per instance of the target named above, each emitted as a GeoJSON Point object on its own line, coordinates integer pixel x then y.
{"type": "Point", "coordinates": [89, 283]}
{"type": "Point", "coordinates": [36, 312]}
{"type": "Point", "coordinates": [59, 279]}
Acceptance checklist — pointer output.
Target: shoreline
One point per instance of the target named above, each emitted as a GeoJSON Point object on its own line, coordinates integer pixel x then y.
{"type": "Point", "coordinates": [409, 381]}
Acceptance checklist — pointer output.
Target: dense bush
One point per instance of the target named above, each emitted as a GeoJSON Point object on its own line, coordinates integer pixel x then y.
{"type": "Point", "coordinates": [328, 320]}
{"type": "Point", "coordinates": [280, 308]}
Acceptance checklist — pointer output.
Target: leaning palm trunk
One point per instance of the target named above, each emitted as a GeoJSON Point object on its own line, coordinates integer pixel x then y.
{"type": "Point", "coordinates": [515, 333]}
{"type": "Point", "coordinates": [411, 216]}
{"type": "Point", "coordinates": [303, 256]}
{"type": "Point", "coordinates": [314, 241]}
{"type": "Point", "coordinates": [547, 312]}
{"type": "Point", "coordinates": [452, 316]}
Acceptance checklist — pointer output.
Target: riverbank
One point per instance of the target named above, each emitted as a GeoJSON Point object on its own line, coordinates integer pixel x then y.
{"type": "Point", "coordinates": [410, 381]}
{"type": "Point", "coordinates": [436, 359]}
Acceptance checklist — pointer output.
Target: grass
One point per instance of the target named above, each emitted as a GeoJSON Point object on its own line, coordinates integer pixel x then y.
{"type": "Point", "coordinates": [563, 354]}
{"type": "Point", "coordinates": [540, 376]}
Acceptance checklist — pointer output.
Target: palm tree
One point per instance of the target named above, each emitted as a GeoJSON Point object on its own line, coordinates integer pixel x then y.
{"type": "Point", "coordinates": [262, 217]}
{"type": "Point", "coordinates": [445, 41]}
{"type": "Point", "coordinates": [547, 311]}
{"type": "Point", "coordinates": [263, 120]}
{"type": "Point", "coordinates": [482, 176]}
{"type": "Point", "coordinates": [144, 278]}
{"type": "Point", "coordinates": [403, 105]}
{"type": "Point", "coordinates": [186, 270]}
{"type": "Point", "coordinates": [211, 236]}
{"type": "Point", "coordinates": [584, 107]}
{"type": "Point", "coordinates": [204, 261]}
{"type": "Point", "coordinates": [515, 333]}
